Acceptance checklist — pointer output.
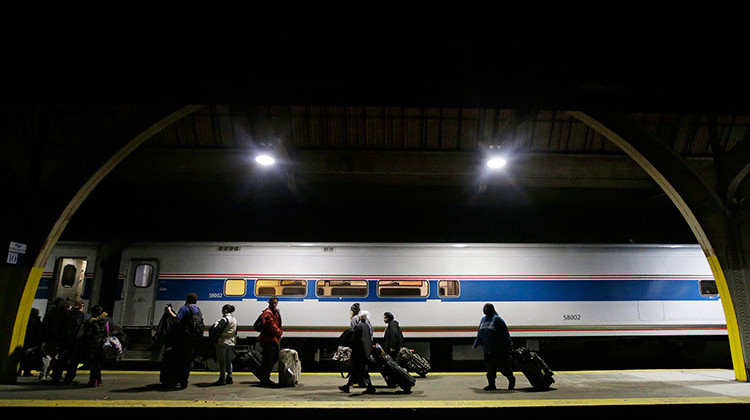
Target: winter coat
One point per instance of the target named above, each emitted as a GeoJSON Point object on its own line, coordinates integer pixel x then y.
{"type": "Point", "coordinates": [493, 335]}
{"type": "Point", "coordinates": [228, 326]}
{"type": "Point", "coordinates": [94, 333]}
{"type": "Point", "coordinates": [393, 339]}
{"type": "Point", "coordinates": [271, 330]}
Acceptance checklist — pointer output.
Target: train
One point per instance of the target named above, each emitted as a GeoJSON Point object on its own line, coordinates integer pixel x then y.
{"type": "Point", "coordinates": [546, 293]}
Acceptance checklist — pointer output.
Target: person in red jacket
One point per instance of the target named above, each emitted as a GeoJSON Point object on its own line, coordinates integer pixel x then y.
{"type": "Point", "coordinates": [270, 339]}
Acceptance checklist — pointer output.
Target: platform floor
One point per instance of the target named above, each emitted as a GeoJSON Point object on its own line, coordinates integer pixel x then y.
{"type": "Point", "coordinates": [438, 391]}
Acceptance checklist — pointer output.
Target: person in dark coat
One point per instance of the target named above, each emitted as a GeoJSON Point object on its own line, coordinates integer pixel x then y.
{"type": "Point", "coordinates": [95, 330]}
{"type": "Point", "coordinates": [393, 339]}
{"type": "Point", "coordinates": [32, 343]}
{"type": "Point", "coordinates": [52, 336]}
{"type": "Point", "coordinates": [71, 325]}
{"type": "Point", "coordinates": [361, 345]}
{"type": "Point", "coordinates": [270, 339]}
{"type": "Point", "coordinates": [179, 342]}
{"type": "Point", "coordinates": [496, 344]}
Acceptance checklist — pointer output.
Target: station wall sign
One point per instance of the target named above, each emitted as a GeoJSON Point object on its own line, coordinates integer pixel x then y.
{"type": "Point", "coordinates": [16, 253]}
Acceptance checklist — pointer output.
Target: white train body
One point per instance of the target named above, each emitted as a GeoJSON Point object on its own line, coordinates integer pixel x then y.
{"type": "Point", "coordinates": [434, 290]}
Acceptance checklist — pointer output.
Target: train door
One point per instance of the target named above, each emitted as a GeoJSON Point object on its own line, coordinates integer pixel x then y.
{"type": "Point", "coordinates": [69, 278]}
{"type": "Point", "coordinates": [140, 293]}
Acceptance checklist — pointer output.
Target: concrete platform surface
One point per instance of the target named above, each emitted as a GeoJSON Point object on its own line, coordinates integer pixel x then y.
{"type": "Point", "coordinates": [123, 389]}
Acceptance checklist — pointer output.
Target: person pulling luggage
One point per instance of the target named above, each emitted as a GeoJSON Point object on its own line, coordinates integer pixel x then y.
{"type": "Point", "coordinates": [497, 345]}
{"type": "Point", "coordinates": [393, 339]}
{"type": "Point", "coordinates": [361, 345]}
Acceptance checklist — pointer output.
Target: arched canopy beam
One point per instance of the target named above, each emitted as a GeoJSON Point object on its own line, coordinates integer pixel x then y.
{"type": "Point", "coordinates": [711, 220]}
{"type": "Point", "coordinates": [9, 361]}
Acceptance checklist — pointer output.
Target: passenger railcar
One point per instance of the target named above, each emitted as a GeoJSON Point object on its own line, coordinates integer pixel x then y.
{"type": "Point", "coordinates": [436, 291]}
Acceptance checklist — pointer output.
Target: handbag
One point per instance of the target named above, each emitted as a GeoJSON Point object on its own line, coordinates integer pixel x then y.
{"type": "Point", "coordinates": [111, 346]}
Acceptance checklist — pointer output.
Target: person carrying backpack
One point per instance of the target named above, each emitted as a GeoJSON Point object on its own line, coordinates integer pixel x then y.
{"type": "Point", "coordinates": [183, 337]}
{"type": "Point", "coordinates": [224, 332]}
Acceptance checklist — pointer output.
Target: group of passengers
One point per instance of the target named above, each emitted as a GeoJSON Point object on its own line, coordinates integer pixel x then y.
{"type": "Point", "coordinates": [65, 339]}
{"type": "Point", "coordinates": [68, 336]}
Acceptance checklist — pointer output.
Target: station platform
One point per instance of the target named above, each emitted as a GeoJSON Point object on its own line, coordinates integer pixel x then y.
{"type": "Point", "coordinates": [438, 393]}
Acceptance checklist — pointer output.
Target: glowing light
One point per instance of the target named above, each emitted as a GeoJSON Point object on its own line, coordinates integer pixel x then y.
{"type": "Point", "coordinates": [265, 160]}
{"type": "Point", "coordinates": [460, 245]}
{"type": "Point", "coordinates": [496, 162]}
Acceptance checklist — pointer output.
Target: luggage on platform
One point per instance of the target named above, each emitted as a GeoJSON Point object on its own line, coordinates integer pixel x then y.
{"type": "Point", "coordinates": [290, 367]}
{"type": "Point", "coordinates": [533, 367]}
{"type": "Point", "coordinates": [343, 357]}
{"type": "Point", "coordinates": [413, 362]}
{"type": "Point", "coordinates": [170, 372]}
{"type": "Point", "coordinates": [252, 361]}
{"type": "Point", "coordinates": [393, 374]}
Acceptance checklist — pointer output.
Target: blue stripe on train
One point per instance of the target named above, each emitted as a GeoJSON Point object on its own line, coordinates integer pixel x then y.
{"type": "Point", "coordinates": [472, 291]}
{"type": "Point", "coordinates": [42, 292]}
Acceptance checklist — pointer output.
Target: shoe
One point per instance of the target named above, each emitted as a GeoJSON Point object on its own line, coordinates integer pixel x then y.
{"type": "Point", "coordinates": [182, 385]}
{"type": "Point", "coordinates": [490, 387]}
{"type": "Point", "coordinates": [344, 388]}
{"type": "Point", "coordinates": [369, 390]}
{"type": "Point", "coordinates": [511, 382]}
{"type": "Point", "coordinates": [229, 380]}
{"type": "Point", "coordinates": [267, 384]}
{"type": "Point", "coordinates": [220, 382]}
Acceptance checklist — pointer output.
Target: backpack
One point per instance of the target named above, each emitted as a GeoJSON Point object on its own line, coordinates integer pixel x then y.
{"type": "Point", "coordinates": [258, 325]}
{"type": "Point", "coordinates": [194, 327]}
{"type": "Point", "coordinates": [215, 331]}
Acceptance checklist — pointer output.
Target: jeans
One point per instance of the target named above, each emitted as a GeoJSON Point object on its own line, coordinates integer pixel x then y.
{"type": "Point", "coordinates": [224, 356]}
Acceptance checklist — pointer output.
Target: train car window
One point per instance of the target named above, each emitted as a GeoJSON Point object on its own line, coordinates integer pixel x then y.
{"type": "Point", "coordinates": [341, 288]}
{"type": "Point", "coordinates": [412, 288]}
{"type": "Point", "coordinates": [235, 287]}
{"type": "Point", "coordinates": [708, 288]}
{"type": "Point", "coordinates": [144, 275]}
{"type": "Point", "coordinates": [269, 287]}
{"type": "Point", "coordinates": [448, 288]}
{"type": "Point", "coordinates": [68, 276]}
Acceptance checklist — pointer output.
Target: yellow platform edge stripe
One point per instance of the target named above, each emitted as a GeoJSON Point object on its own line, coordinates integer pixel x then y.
{"type": "Point", "coordinates": [371, 404]}
{"type": "Point", "coordinates": [565, 372]}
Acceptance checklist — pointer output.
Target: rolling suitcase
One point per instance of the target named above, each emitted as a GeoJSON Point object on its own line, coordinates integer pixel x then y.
{"type": "Point", "coordinates": [533, 367]}
{"type": "Point", "coordinates": [253, 361]}
{"type": "Point", "coordinates": [290, 367]}
{"type": "Point", "coordinates": [413, 362]}
{"type": "Point", "coordinates": [393, 374]}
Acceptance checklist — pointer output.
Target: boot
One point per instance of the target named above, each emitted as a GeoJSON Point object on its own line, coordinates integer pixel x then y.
{"type": "Point", "coordinates": [490, 385]}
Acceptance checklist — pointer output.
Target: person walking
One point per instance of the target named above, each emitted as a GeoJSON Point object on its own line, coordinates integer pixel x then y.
{"type": "Point", "coordinates": [226, 328]}
{"type": "Point", "coordinates": [361, 345]}
{"type": "Point", "coordinates": [393, 339]}
{"type": "Point", "coordinates": [270, 340]}
{"type": "Point", "coordinates": [496, 344]}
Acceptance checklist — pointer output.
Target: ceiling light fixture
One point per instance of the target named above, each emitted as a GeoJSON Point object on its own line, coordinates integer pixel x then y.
{"type": "Point", "coordinates": [265, 160]}
{"type": "Point", "coordinates": [496, 162]}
